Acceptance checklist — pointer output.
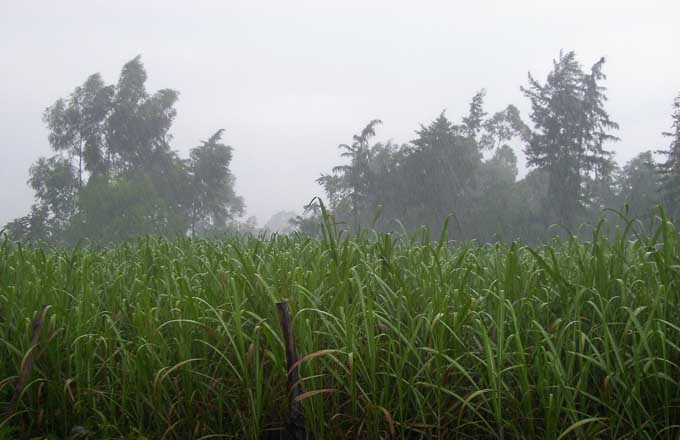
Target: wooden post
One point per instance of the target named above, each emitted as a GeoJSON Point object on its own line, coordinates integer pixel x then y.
{"type": "Point", "coordinates": [25, 373]}
{"type": "Point", "coordinates": [295, 426]}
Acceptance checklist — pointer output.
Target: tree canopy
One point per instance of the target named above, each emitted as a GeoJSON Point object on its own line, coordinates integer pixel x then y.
{"type": "Point", "coordinates": [670, 168]}
{"type": "Point", "coordinates": [469, 170]}
{"type": "Point", "coordinates": [114, 174]}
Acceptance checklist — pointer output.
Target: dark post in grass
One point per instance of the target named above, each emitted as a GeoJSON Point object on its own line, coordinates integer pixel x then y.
{"type": "Point", "coordinates": [295, 426]}
{"type": "Point", "coordinates": [27, 366]}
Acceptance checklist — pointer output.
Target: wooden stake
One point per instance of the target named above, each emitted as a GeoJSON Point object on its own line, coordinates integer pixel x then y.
{"type": "Point", "coordinates": [25, 373]}
{"type": "Point", "coordinates": [295, 426]}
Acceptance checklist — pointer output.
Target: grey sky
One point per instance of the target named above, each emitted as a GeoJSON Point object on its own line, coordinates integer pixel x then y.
{"type": "Point", "coordinates": [291, 80]}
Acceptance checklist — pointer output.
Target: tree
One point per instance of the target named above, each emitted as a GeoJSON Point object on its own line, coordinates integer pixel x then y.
{"type": "Point", "coordinates": [77, 125]}
{"type": "Point", "coordinates": [214, 200]}
{"type": "Point", "coordinates": [55, 184]}
{"type": "Point", "coordinates": [31, 227]}
{"type": "Point", "coordinates": [640, 185]}
{"type": "Point", "coordinates": [139, 124]}
{"type": "Point", "coordinates": [670, 169]}
{"type": "Point", "coordinates": [441, 170]}
{"type": "Point", "coordinates": [349, 184]}
{"type": "Point", "coordinates": [473, 122]}
{"type": "Point", "coordinates": [571, 128]}
{"type": "Point", "coordinates": [502, 128]}
{"type": "Point", "coordinates": [115, 174]}
{"type": "Point", "coordinates": [493, 200]}
{"type": "Point", "coordinates": [118, 209]}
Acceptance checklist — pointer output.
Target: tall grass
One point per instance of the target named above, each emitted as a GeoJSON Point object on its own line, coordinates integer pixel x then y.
{"type": "Point", "coordinates": [399, 337]}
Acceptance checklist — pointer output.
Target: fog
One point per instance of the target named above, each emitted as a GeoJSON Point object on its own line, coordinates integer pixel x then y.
{"type": "Point", "coordinates": [289, 81]}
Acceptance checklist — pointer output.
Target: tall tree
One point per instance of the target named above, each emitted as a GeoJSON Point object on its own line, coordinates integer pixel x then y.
{"type": "Point", "coordinates": [115, 174]}
{"type": "Point", "coordinates": [440, 172]}
{"type": "Point", "coordinates": [55, 183]}
{"type": "Point", "coordinates": [503, 127]}
{"type": "Point", "coordinates": [640, 185]}
{"type": "Point", "coordinates": [670, 168]}
{"type": "Point", "coordinates": [77, 125]}
{"type": "Point", "coordinates": [571, 127]}
{"type": "Point", "coordinates": [349, 184]}
{"type": "Point", "coordinates": [138, 128]}
{"type": "Point", "coordinates": [474, 121]}
{"type": "Point", "coordinates": [442, 169]}
{"type": "Point", "coordinates": [214, 200]}
{"type": "Point", "coordinates": [117, 209]}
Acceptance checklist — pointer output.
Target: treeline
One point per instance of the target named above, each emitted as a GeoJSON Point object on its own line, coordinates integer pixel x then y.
{"type": "Point", "coordinates": [468, 169]}
{"type": "Point", "coordinates": [114, 174]}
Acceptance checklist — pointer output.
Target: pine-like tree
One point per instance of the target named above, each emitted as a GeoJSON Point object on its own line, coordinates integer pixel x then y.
{"type": "Point", "coordinates": [670, 169]}
{"type": "Point", "coordinates": [571, 127]}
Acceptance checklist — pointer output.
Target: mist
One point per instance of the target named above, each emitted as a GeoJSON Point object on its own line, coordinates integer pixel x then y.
{"type": "Point", "coordinates": [290, 82]}
{"type": "Point", "coordinates": [384, 220]}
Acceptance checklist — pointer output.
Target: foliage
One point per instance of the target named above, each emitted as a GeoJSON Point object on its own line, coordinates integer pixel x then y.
{"type": "Point", "coordinates": [671, 167]}
{"type": "Point", "coordinates": [114, 175]}
{"type": "Point", "coordinates": [439, 173]}
{"type": "Point", "coordinates": [571, 127]}
{"type": "Point", "coordinates": [640, 185]}
{"type": "Point", "coordinates": [470, 170]}
{"type": "Point", "coordinates": [399, 337]}
{"type": "Point", "coordinates": [213, 199]}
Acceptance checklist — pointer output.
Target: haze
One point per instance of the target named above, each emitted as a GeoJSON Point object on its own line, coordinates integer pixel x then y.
{"type": "Point", "coordinates": [289, 81]}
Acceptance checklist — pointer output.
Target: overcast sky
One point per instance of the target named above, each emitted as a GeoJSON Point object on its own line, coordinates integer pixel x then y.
{"type": "Point", "coordinates": [290, 80]}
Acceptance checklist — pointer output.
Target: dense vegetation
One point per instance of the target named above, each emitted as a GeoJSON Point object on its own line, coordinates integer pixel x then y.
{"type": "Point", "coordinates": [114, 175]}
{"type": "Point", "coordinates": [403, 337]}
{"type": "Point", "coordinates": [516, 329]}
{"type": "Point", "coordinates": [470, 168]}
